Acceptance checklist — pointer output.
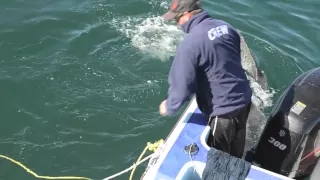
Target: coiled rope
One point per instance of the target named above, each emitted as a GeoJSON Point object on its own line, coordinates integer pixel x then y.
{"type": "Point", "coordinates": [151, 147]}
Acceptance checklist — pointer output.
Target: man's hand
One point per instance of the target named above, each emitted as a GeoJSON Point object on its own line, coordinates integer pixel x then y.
{"type": "Point", "coordinates": [163, 108]}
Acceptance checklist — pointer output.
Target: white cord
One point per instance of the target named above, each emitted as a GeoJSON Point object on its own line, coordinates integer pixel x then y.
{"type": "Point", "coordinates": [215, 125]}
{"type": "Point", "coordinates": [129, 169]}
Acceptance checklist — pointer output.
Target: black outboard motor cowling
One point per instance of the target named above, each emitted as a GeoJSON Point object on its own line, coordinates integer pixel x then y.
{"type": "Point", "coordinates": [291, 139]}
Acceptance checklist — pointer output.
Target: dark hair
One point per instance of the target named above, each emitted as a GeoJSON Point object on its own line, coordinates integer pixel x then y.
{"type": "Point", "coordinates": [193, 12]}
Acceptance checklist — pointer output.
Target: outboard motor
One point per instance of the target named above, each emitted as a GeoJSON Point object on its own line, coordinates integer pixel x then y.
{"type": "Point", "coordinates": [290, 142]}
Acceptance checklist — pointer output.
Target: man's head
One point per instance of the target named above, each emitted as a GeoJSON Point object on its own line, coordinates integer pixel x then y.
{"type": "Point", "coordinates": [182, 10]}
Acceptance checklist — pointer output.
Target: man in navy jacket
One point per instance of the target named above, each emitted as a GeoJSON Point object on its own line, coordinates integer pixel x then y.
{"type": "Point", "coordinates": [208, 64]}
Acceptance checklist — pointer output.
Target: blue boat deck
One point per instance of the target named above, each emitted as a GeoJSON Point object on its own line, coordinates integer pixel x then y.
{"type": "Point", "coordinates": [175, 163]}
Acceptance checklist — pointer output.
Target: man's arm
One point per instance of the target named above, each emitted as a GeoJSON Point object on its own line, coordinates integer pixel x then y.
{"type": "Point", "coordinates": [182, 77]}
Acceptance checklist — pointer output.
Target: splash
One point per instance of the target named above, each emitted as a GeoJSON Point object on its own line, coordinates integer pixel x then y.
{"type": "Point", "coordinates": [159, 39]}
{"type": "Point", "coordinates": [261, 98]}
{"type": "Point", "coordinates": [151, 35]}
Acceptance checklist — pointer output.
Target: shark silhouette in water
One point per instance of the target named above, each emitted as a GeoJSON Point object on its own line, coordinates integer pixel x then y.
{"type": "Point", "coordinates": [249, 64]}
{"type": "Point", "coordinates": [256, 119]}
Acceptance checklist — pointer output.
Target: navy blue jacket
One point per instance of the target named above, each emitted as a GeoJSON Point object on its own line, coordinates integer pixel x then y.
{"type": "Point", "coordinates": [208, 64]}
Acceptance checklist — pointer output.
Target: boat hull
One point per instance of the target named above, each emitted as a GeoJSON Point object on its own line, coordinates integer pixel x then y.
{"type": "Point", "coordinates": [173, 162]}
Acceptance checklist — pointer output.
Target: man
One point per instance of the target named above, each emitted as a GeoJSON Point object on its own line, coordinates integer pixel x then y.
{"type": "Point", "coordinates": [208, 64]}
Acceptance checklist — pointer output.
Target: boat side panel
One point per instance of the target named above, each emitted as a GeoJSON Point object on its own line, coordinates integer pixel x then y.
{"type": "Point", "coordinates": [177, 157]}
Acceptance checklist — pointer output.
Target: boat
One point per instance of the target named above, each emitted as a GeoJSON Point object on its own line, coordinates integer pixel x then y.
{"type": "Point", "coordinates": [287, 148]}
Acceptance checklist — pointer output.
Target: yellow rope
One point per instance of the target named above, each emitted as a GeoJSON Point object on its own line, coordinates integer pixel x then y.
{"type": "Point", "coordinates": [152, 147]}
{"type": "Point", "coordinates": [41, 177]}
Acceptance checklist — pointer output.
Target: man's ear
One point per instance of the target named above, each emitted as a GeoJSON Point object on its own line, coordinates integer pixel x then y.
{"type": "Point", "coordinates": [187, 14]}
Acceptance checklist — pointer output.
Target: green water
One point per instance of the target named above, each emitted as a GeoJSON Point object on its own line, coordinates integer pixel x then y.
{"type": "Point", "coordinates": [81, 81]}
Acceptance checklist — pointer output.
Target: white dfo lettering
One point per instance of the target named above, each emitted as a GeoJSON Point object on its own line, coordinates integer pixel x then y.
{"type": "Point", "coordinates": [217, 32]}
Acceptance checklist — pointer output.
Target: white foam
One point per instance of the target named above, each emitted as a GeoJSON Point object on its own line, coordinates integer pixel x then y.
{"type": "Point", "coordinates": [164, 5]}
{"type": "Point", "coordinates": [151, 35]}
{"type": "Point", "coordinates": [261, 98]}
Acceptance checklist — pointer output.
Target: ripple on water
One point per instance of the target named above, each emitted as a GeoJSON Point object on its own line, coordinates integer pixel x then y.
{"type": "Point", "coordinates": [85, 77]}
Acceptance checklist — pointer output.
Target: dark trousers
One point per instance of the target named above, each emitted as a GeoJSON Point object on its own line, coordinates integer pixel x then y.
{"type": "Point", "coordinates": [228, 132]}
